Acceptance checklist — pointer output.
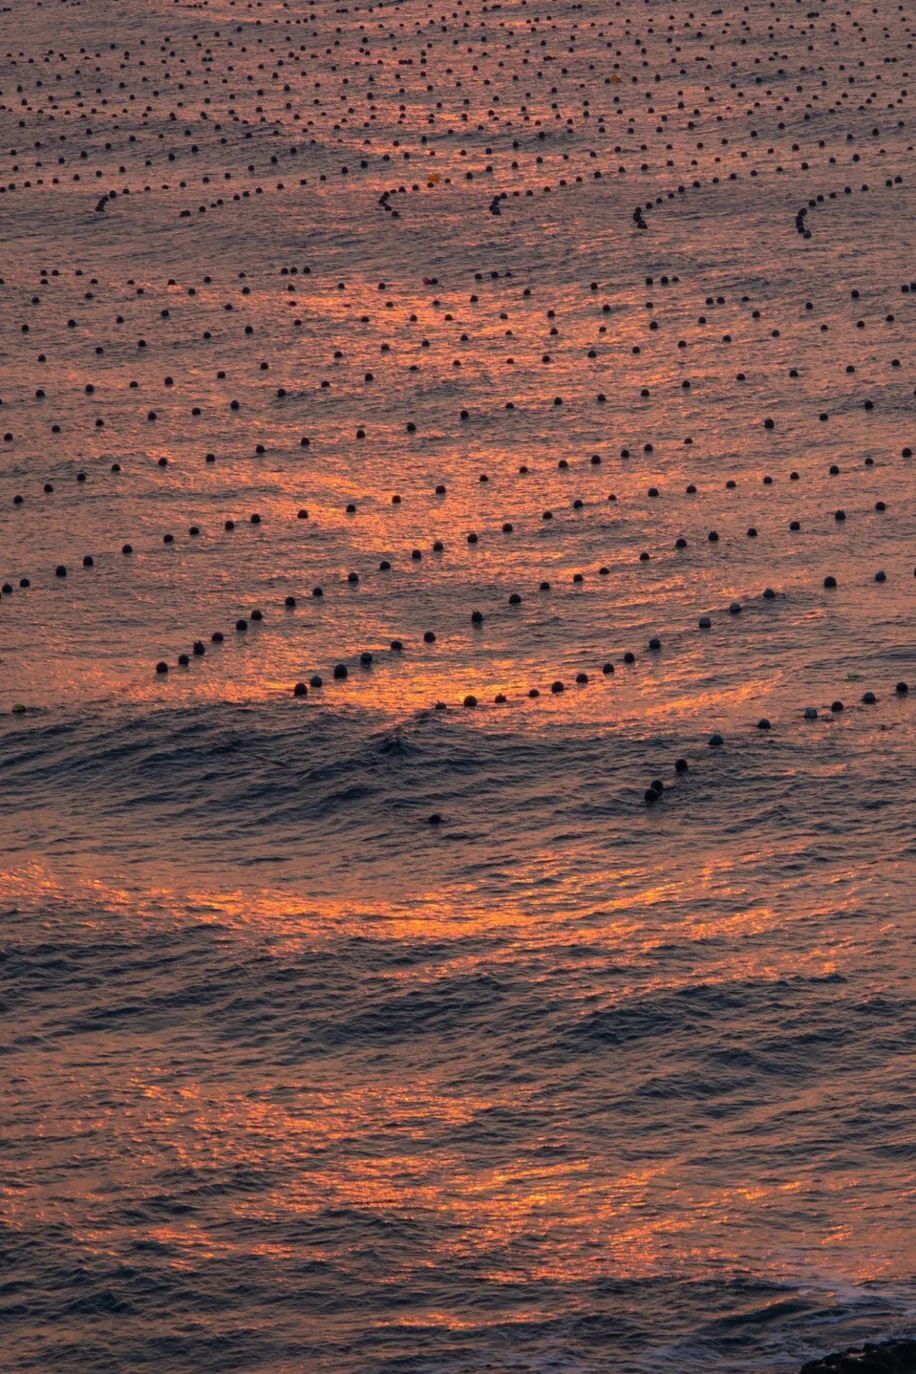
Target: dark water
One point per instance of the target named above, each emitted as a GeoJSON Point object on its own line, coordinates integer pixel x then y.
{"type": "Point", "coordinates": [294, 1080]}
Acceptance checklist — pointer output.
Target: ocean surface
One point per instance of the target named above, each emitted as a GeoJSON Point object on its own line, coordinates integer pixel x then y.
{"type": "Point", "coordinates": [495, 949]}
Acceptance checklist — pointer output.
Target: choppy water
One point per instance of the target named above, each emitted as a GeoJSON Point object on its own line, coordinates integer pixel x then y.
{"type": "Point", "coordinates": [295, 1080]}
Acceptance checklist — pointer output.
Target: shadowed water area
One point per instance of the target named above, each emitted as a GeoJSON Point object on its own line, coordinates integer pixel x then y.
{"type": "Point", "coordinates": [456, 680]}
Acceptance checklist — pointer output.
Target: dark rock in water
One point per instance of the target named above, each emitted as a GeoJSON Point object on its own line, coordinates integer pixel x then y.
{"type": "Point", "coordinates": [884, 1357]}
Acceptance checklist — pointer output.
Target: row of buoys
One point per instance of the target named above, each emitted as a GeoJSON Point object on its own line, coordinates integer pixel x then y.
{"type": "Point", "coordinates": [564, 183]}
{"type": "Point", "coordinates": [524, 470]}
{"type": "Point", "coordinates": [508, 527]}
{"type": "Point", "coordinates": [493, 116]}
{"type": "Point", "coordinates": [35, 102]}
{"type": "Point", "coordinates": [656, 789]}
{"type": "Point", "coordinates": [151, 415]}
{"type": "Point", "coordinates": [353, 578]}
{"type": "Point", "coordinates": [340, 671]}
{"type": "Point", "coordinates": [609, 358]}
{"type": "Point", "coordinates": [444, 311]}
{"type": "Point", "coordinates": [432, 179]}
{"type": "Point", "coordinates": [438, 178]}
{"type": "Point", "coordinates": [514, 599]}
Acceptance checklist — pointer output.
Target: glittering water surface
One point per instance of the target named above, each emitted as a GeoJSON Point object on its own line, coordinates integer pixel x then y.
{"type": "Point", "coordinates": [573, 1080]}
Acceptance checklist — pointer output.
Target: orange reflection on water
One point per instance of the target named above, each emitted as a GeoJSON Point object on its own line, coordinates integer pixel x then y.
{"type": "Point", "coordinates": [529, 1180]}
